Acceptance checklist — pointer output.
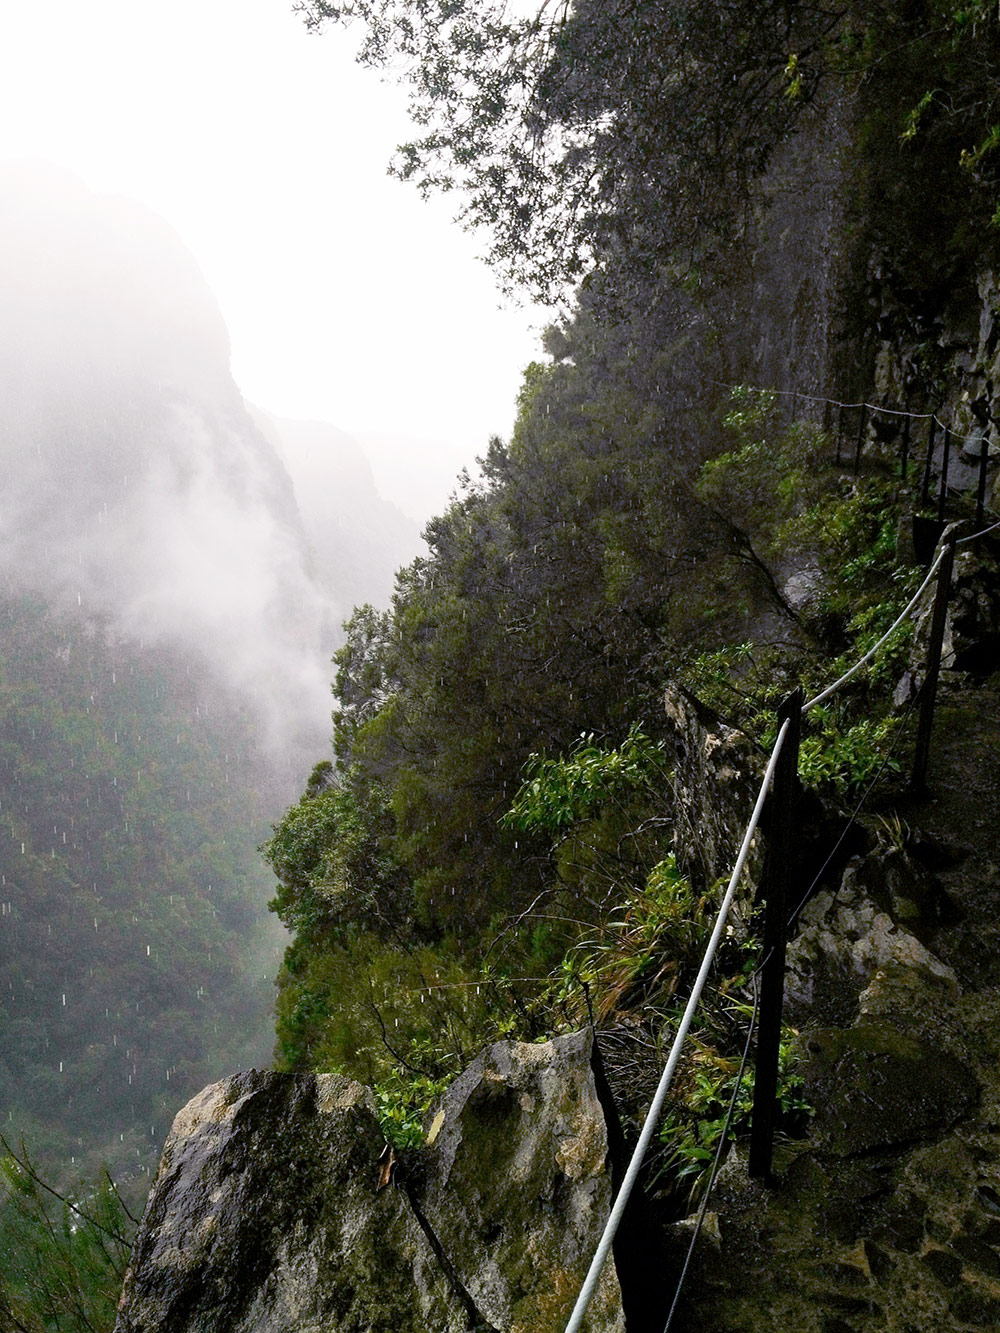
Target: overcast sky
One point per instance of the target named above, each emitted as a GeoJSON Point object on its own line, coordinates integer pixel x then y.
{"type": "Point", "coordinates": [347, 299]}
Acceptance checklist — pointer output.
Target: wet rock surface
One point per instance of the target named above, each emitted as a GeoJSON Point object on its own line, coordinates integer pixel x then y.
{"type": "Point", "coordinates": [266, 1214]}
{"type": "Point", "coordinates": [872, 923]}
{"type": "Point", "coordinates": [887, 1215]}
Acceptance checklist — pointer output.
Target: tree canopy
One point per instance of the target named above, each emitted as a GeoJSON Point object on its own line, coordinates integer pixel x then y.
{"type": "Point", "coordinates": [629, 134]}
{"type": "Point", "coordinates": [630, 127]}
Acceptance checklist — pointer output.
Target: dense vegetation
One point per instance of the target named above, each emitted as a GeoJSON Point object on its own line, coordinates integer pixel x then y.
{"type": "Point", "coordinates": [128, 888]}
{"type": "Point", "coordinates": [133, 951]}
{"type": "Point", "coordinates": [490, 852]}
{"type": "Point", "coordinates": [633, 135]}
{"type": "Point", "coordinates": [64, 1253]}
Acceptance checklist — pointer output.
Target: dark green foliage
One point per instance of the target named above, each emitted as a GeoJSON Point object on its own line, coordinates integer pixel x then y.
{"type": "Point", "coordinates": [548, 605]}
{"type": "Point", "coordinates": [495, 820]}
{"type": "Point", "coordinates": [632, 130]}
{"type": "Point", "coordinates": [63, 1253]}
{"type": "Point", "coordinates": [559, 792]}
{"type": "Point", "coordinates": [132, 900]}
{"type": "Point", "coordinates": [634, 134]}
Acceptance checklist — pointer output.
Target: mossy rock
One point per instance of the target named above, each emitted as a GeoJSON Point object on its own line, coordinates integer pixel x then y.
{"type": "Point", "coordinates": [875, 1088]}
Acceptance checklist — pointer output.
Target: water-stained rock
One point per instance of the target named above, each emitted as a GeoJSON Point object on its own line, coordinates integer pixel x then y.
{"type": "Point", "coordinates": [874, 1088]}
{"type": "Point", "coordinates": [266, 1214]}
{"type": "Point", "coordinates": [518, 1189]}
{"type": "Point", "coordinates": [715, 781]}
{"type": "Point", "coordinates": [847, 937]}
{"type": "Point", "coordinates": [264, 1217]}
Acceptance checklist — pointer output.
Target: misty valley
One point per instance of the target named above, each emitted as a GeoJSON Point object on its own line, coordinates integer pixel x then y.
{"type": "Point", "coordinates": [168, 610]}
{"type": "Point", "coordinates": [356, 880]}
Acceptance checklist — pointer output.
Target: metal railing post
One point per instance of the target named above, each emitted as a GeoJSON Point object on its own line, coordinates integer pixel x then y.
{"type": "Point", "coordinates": [928, 690]}
{"type": "Point", "coordinates": [840, 430]}
{"type": "Point", "coordinates": [861, 437]}
{"type": "Point", "coordinates": [984, 458]}
{"type": "Point", "coordinates": [943, 489]}
{"type": "Point", "coordinates": [778, 863]}
{"type": "Point", "coordinates": [925, 485]}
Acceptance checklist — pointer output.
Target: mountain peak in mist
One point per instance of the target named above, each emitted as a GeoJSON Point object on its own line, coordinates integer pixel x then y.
{"type": "Point", "coordinates": [138, 488]}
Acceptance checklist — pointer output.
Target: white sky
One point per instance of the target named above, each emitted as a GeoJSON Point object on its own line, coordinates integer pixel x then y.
{"type": "Point", "coordinates": [347, 299]}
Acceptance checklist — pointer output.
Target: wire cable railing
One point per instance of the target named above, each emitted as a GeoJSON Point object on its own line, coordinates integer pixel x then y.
{"type": "Point", "coordinates": [652, 1116]}
{"type": "Point", "coordinates": [849, 823]}
{"type": "Point", "coordinates": [841, 681]}
{"type": "Point", "coordinates": [801, 396]}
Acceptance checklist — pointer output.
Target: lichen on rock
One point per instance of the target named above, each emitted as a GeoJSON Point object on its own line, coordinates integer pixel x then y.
{"type": "Point", "coordinates": [266, 1214]}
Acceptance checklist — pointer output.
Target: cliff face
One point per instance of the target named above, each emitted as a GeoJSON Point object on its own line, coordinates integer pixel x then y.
{"type": "Point", "coordinates": [358, 540]}
{"type": "Point", "coordinates": [139, 487]}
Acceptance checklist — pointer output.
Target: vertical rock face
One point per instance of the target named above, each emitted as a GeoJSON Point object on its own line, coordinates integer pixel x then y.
{"type": "Point", "coordinates": [517, 1189]}
{"type": "Point", "coordinates": [266, 1214]}
{"type": "Point", "coordinates": [715, 785]}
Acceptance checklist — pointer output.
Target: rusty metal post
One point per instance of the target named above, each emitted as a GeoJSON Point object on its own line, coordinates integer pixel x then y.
{"type": "Point", "coordinates": [778, 867]}
{"type": "Point", "coordinates": [932, 668]}
{"type": "Point", "coordinates": [925, 486]}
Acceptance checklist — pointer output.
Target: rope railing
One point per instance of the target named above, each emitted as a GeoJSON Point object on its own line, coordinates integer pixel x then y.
{"type": "Point", "coordinates": [653, 1115]}
{"type": "Point", "coordinates": [849, 407]}
{"type": "Point", "coordinates": [621, 1200]}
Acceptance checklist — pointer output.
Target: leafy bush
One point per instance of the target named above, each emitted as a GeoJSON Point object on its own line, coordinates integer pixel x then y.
{"type": "Point", "coordinates": [698, 1110]}
{"type": "Point", "coordinates": [844, 760]}
{"type": "Point", "coordinates": [556, 793]}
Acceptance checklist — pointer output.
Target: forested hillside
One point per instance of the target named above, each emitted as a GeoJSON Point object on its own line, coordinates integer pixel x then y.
{"type": "Point", "coordinates": [166, 630]}
{"type": "Point", "coordinates": [132, 937]}
{"type": "Point", "coordinates": [794, 198]}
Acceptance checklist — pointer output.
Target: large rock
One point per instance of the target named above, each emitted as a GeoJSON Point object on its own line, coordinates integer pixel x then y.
{"type": "Point", "coordinates": [266, 1214]}
{"type": "Point", "coordinates": [849, 935]}
{"type": "Point", "coordinates": [518, 1187]}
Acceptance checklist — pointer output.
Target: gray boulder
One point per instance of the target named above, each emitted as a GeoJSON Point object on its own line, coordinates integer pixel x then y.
{"type": "Point", "coordinates": [267, 1215]}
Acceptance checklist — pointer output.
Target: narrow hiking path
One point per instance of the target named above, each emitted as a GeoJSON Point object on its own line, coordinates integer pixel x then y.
{"type": "Point", "coordinates": [887, 1215]}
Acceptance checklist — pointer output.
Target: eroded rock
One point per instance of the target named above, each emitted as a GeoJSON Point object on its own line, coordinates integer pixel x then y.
{"type": "Point", "coordinates": [849, 936]}
{"type": "Point", "coordinates": [266, 1215]}
{"type": "Point", "coordinates": [715, 781]}
{"type": "Point", "coordinates": [518, 1187]}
